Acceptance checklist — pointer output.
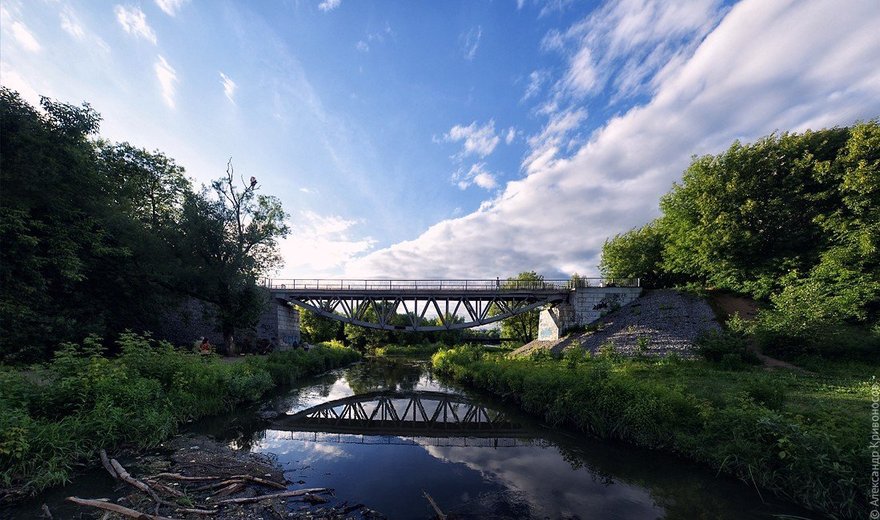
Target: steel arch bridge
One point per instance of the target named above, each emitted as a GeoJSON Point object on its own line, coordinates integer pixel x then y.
{"type": "Point", "coordinates": [415, 413]}
{"type": "Point", "coordinates": [376, 303]}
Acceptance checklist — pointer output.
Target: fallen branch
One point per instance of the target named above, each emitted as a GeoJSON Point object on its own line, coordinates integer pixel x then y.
{"type": "Point", "coordinates": [235, 487]}
{"type": "Point", "coordinates": [196, 511]}
{"type": "Point", "coordinates": [178, 476]}
{"type": "Point", "coordinates": [314, 499]}
{"type": "Point", "coordinates": [283, 494]}
{"type": "Point", "coordinates": [259, 480]}
{"type": "Point", "coordinates": [222, 483]}
{"type": "Point", "coordinates": [162, 487]}
{"type": "Point", "coordinates": [116, 508]}
{"type": "Point", "coordinates": [437, 510]}
{"type": "Point", "coordinates": [106, 462]}
{"type": "Point", "coordinates": [128, 479]}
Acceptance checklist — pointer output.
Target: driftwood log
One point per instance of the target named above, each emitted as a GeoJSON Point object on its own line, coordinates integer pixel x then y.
{"type": "Point", "coordinates": [283, 494]}
{"type": "Point", "coordinates": [115, 508]}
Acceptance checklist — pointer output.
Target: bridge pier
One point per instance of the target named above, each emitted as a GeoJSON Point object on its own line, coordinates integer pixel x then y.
{"type": "Point", "coordinates": [279, 324]}
{"type": "Point", "coordinates": [584, 306]}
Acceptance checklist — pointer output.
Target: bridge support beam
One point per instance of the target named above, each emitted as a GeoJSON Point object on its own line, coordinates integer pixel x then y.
{"type": "Point", "coordinates": [584, 306]}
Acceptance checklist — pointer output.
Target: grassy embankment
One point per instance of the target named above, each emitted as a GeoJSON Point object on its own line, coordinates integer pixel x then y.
{"type": "Point", "coordinates": [800, 435]}
{"type": "Point", "coordinates": [61, 413]}
{"type": "Point", "coordinates": [421, 349]}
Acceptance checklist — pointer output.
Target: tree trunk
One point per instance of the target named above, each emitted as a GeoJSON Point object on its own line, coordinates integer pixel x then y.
{"type": "Point", "coordinates": [229, 341]}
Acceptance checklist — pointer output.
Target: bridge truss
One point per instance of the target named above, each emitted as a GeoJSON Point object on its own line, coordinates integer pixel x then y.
{"type": "Point", "coordinates": [420, 413]}
{"type": "Point", "coordinates": [458, 304]}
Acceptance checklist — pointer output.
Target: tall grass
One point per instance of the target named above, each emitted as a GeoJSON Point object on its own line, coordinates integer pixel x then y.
{"type": "Point", "coordinates": [793, 435]}
{"type": "Point", "coordinates": [55, 415]}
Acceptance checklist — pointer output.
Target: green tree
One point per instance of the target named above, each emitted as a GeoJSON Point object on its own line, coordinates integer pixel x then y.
{"type": "Point", "coordinates": [638, 253]}
{"type": "Point", "coordinates": [52, 225]}
{"type": "Point", "coordinates": [232, 240]}
{"type": "Point", "coordinates": [523, 327]}
{"type": "Point", "coordinates": [149, 186]}
{"type": "Point", "coordinates": [315, 328]}
{"type": "Point", "coordinates": [743, 219]}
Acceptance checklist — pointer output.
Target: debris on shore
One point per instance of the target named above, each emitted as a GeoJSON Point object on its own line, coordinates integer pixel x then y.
{"type": "Point", "coordinates": [198, 478]}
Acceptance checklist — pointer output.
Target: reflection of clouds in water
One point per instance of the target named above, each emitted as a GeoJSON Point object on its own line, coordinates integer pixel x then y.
{"type": "Point", "coordinates": [315, 395]}
{"type": "Point", "coordinates": [281, 443]}
{"type": "Point", "coordinates": [560, 492]}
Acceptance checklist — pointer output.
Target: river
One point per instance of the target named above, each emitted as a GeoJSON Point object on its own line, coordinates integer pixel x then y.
{"type": "Point", "coordinates": [534, 473]}
{"type": "Point", "coordinates": [492, 461]}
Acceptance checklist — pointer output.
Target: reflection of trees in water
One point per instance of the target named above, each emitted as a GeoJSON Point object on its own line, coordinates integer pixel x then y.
{"type": "Point", "coordinates": [681, 488]}
{"type": "Point", "coordinates": [374, 375]}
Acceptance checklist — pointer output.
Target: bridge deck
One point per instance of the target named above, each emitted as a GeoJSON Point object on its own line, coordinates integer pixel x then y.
{"type": "Point", "coordinates": [376, 303]}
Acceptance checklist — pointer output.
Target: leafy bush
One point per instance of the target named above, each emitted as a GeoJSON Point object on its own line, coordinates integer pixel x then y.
{"type": "Point", "coordinates": [55, 415]}
{"type": "Point", "coordinates": [814, 461]}
{"type": "Point", "coordinates": [728, 348]}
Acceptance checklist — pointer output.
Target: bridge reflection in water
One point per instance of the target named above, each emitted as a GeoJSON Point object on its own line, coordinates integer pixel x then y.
{"type": "Point", "coordinates": [409, 417]}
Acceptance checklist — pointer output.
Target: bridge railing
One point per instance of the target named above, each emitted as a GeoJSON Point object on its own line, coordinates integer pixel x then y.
{"type": "Point", "coordinates": [446, 285]}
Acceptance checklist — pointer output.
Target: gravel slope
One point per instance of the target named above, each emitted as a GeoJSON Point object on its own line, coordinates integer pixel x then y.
{"type": "Point", "coordinates": [668, 320]}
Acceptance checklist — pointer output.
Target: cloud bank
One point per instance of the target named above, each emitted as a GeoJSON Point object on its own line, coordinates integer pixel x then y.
{"type": "Point", "coordinates": [757, 68]}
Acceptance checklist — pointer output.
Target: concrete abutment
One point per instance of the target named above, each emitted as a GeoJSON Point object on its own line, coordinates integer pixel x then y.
{"type": "Point", "coordinates": [584, 306]}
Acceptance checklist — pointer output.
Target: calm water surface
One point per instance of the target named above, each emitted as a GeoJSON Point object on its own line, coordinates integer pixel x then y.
{"type": "Point", "coordinates": [532, 473]}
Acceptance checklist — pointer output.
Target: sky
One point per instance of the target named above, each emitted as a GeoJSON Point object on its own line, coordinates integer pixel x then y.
{"type": "Point", "coordinates": [454, 139]}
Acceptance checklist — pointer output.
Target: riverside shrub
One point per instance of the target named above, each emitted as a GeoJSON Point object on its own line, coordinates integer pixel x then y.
{"type": "Point", "coordinates": [810, 461]}
{"type": "Point", "coordinates": [65, 411]}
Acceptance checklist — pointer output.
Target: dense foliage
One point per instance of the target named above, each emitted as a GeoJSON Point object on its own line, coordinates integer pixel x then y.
{"type": "Point", "coordinates": [523, 327]}
{"type": "Point", "coordinates": [64, 412]}
{"type": "Point", "coordinates": [793, 219]}
{"type": "Point", "coordinates": [97, 237]}
{"type": "Point", "coordinates": [794, 434]}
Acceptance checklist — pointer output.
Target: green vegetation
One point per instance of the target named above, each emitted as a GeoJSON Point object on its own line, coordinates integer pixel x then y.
{"type": "Point", "coordinates": [795, 434]}
{"type": "Point", "coordinates": [792, 220]}
{"type": "Point", "coordinates": [524, 327]}
{"type": "Point", "coordinates": [99, 238]}
{"type": "Point", "coordinates": [63, 412]}
{"type": "Point", "coordinates": [422, 349]}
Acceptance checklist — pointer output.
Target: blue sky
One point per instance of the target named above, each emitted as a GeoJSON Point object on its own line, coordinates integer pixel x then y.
{"type": "Point", "coordinates": [448, 139]}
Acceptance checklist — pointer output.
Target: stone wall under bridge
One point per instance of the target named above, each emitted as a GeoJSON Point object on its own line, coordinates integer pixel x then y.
{"type": "Point", "coordinates": [584, 306]}
{"type": "Point", "coordinates": [194, 319]}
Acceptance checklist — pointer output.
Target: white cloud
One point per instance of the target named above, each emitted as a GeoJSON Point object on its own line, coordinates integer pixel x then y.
{"type": "Point", "coordinates": [626, 43]}
{"type": "Point", "coordinates": [471, 42]}
{"type": "Point", "coordinates": [362, 46]}
{"type": "Point", "coordinates": [476, 174]}
{"type": "Point", "coordinates": [229, 87]}
{"type": "Point", "coordinates": [478, 140]}
{"type": "Point", "coordinates": [24, 37]}
{"type": "Point", "coordinates": [13, 80]}
{"type": "Point", "coordinates": [546, 145]}
{"type": "Point", "coordinates": [511, 135]}
{"type": "Point", "coordinates": [170, 7]}
{"type": "Point", "coordinates": [536, 81]}
{"type": "Point", "coordinates": [134, 21]}
{"type": "Point", "coordinates": [329, 5]}
{"type": "Point", "coordinates": [319, 244]}
{"type": "Point", "coordinates": [167, 77]}
{"type": "Point", "coordinates": [767, 66]}
{"type": "Point", "coordinates": [70, 23]}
